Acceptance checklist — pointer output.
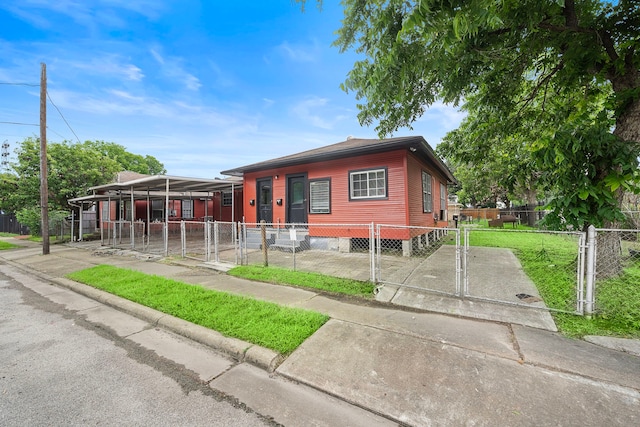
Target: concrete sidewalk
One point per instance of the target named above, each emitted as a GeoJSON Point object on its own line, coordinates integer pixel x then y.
{"type": "Point", "coordinates": [410, 365]}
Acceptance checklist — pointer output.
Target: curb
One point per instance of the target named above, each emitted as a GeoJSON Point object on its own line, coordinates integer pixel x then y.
{"type": "Point", "coordinates": [239, 350]}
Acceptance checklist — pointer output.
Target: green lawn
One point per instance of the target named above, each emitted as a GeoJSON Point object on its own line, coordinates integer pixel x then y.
{"type": "Point", "coordinates": [6, 245]}
{"type": "Point", "coordinates": [283, 276]}
{"type": "Point", "coordinates": [266, 324]}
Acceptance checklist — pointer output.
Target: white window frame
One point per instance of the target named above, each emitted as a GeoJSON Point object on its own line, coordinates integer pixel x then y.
{"type": "Point", "coordinates": [320, 196]}
{"type": "Point", "coordinates": [371, 191]}
{"type": "Point", "coordinates": [427, 192]}
{"type": "Point", "coordinates": [227, 198]}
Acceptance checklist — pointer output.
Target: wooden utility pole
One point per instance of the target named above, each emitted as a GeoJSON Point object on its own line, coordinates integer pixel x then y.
{"type": "Point", "coordinates": [44, 186]}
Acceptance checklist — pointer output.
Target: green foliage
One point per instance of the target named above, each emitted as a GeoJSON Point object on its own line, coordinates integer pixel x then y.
{"type": "Point", "coordinates": [284, 276]}
{"type": "Point", "coordinates": [147, 165]}
{"type": "Point", "coordinates": [266, 324]}
{"type": "Point", "coordinates": [30, 217]}
{"type": "Point", "coordinates": [72, 169]}
{"type": "Point", "coordinates": [7, 245]}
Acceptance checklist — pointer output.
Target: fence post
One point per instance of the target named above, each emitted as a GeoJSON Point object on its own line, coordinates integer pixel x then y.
{"type": "Point", "coordinates": [263, 235]}
{"type": "Point", "coordinates": [183, 238]}
{"type": "Point", "coordinates": [465, 264]}
{"type": "Point", "coordinates": [591, 270]}
{"type": "Point", "coordinates": [216, 250]}
{"type": "Point", "coordinates": [458, 262]}
{"type": "Point", "coordinates": [71, 239]}
{"type": "Point", "coordinates": [207, 240]}
{"type": "Point", "coordinates": [372, 246]}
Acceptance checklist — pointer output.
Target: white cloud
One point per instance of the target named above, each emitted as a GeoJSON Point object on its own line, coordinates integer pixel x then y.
{"type": "Point", "coordinates": [299, 52]}
{"type": "Point", "coordinates": [172, 67]}
{"type": "Point", "coordinates": [318, 112]}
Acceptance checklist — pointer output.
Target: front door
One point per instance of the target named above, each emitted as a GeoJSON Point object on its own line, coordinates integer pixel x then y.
{"type": "Point", "coordinates": [265, 199]}
{"type": "Point", "coordinates": [297, 199]}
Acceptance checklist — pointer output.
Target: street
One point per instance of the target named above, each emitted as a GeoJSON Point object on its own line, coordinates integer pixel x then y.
{"type": "Point", "coordinates": [59, 369]}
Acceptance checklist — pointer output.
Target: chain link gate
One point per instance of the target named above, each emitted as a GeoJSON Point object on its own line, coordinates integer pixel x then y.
{"type": "Point", "coordinates": [421, 258]}
{"type": "Point", "coordinates": [518, 267]}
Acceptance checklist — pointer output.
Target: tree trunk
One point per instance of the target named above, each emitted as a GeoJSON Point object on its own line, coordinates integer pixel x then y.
{"type": "Point", "coordinates": [532, 203]}
{"type": "Point", "coordinates": [609, 244]}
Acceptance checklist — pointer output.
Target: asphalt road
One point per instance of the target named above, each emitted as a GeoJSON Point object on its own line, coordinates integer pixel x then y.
{"type": "Point", "coordinates": [58, 369]}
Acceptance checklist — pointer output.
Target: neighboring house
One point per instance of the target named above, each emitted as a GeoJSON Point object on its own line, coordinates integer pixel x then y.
{"type": "Point", "coordinates": [395, 181]}
{"type": "Point", "coordinates": [162, 198]}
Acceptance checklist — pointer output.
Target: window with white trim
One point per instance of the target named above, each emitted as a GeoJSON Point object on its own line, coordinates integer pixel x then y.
{"type": "Point", "coordinates": [443, 201]}
{"type": "Point", "coordinates": [187, 208]}
{"type": "Point", "coordinates": [227, 198]}
{"type": "Point", "coordinates": [320, 196]}
{"type": "Point", "coordinates": [370, 184]}
{"type": "Point", "coordinates": [427, 197]}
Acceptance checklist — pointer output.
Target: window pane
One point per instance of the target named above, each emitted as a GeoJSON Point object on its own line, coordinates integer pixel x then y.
{"type": "Point", "coordinates": [368, 184]}
{"type": "Point", "coordinates": [265, 195]}
{"type": "Point", "coordinates": [297, 193]}
{"type": "Point", "coordinates": [319, 197]}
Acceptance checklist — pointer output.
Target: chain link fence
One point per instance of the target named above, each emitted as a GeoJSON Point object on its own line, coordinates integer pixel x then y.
{"type": "Point", "coordinates": [424, 258]}
{"type": "Point", "coordinates": [616, 272]}
{"type": "Point", "coordinates": [563, 271]}
{"type": "Point", "coordinates": [341, 250]}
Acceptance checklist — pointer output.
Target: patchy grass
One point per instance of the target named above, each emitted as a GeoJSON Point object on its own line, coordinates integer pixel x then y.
{"type": "Point", "coordinates": [283, 276]}
{"type": "Point", "coordinates": [266, 324]}
{"type": "Point", "coordinates": [3, 234]}
{"type": "Point", "coordinates": [550, 262]}
{"type": "Point", "coordinates": [7, 245]}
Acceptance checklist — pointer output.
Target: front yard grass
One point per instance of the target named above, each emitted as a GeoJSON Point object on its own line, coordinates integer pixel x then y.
{"type": "Point", "coordinates": [266, 324]}
{"type": "Point", "coordinates": [283, 276]}
{"type": "Point", "coordinates": [6, 245]}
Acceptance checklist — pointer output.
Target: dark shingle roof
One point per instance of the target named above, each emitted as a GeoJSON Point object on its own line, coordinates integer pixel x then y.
{"type": "Point", "coordinates": [350, 148]}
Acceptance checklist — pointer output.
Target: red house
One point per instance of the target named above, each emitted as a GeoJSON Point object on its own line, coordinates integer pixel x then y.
{"type": "Point", "coordinates": [395, 181]}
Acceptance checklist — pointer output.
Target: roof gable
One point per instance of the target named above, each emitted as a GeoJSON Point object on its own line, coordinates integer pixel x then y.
{"type": "Point", "coordinates": [350, 148]}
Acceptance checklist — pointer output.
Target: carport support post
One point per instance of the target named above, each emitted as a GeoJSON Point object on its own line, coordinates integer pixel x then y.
{"type": "Point", "coordinates": [263, 234]}
{"type": "Point", "coordinates": [591, 270]}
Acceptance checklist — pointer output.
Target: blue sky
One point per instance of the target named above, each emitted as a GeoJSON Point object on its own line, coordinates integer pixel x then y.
{"type": "Point", "coordinates": [203, 86]}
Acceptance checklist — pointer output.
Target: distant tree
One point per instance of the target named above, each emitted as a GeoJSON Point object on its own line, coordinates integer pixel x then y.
{"type": "Point", "coordinates": [147, 165]}
{"type": "Point", "coordinates": [72, 169]}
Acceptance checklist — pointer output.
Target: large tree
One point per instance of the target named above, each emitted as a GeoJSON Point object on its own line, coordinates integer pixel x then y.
{"type": "Point", "coordinates": [511, 56]}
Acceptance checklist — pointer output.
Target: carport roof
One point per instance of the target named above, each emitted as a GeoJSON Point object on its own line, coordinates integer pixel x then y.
{"type": "Point", "coordinates": [157, 185]}
{"type": "Point", "coordinates": [177, 184]}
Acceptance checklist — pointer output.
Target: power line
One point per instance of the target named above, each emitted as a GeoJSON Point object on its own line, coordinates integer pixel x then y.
{"type": "Point", "coordinates": [63, 118]}
{"type": "Point", "coordinates": [19, 84]}
{"type": "Point", "coordinates": [21, 124]}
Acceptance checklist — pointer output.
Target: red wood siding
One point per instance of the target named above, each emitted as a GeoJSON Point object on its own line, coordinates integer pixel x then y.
{"type": "Point", "coordinates": [392, 210]}
{"type": "Point", "coordinates": [417, 216]}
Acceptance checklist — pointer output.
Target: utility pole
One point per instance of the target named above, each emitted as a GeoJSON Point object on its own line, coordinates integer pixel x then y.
{"type": "Point", "coordinates": [44, 186]}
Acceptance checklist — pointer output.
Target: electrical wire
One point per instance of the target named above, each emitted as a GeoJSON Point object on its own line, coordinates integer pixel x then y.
{"type": "Point", "coordinates": [63, 118]}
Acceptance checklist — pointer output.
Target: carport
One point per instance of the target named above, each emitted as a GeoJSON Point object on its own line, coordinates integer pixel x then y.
{"type": "Point", "coordinates": [156, 187]}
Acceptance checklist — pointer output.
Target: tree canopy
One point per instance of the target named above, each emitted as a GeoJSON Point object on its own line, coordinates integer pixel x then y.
{"type": "Point", "coordinates": [550, 85]}
{"type": "Point", "coordinates": [72, 169]}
